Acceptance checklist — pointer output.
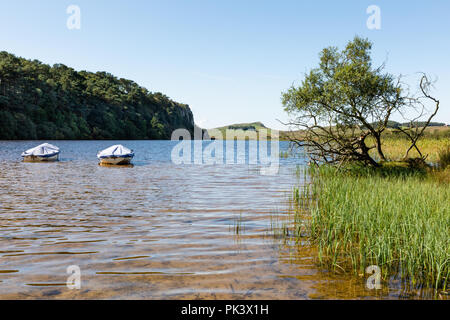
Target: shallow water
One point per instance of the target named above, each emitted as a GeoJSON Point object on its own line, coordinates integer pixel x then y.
{"type": "Point", "coordinates": [154, 231]}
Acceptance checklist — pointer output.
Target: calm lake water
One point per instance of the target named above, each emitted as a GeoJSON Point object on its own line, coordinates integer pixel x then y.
{"type": "Point", "coordinates": [153, 231]}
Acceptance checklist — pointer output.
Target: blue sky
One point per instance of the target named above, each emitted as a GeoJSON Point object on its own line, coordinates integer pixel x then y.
{"type": "Point", "coordinates": [229, 60]}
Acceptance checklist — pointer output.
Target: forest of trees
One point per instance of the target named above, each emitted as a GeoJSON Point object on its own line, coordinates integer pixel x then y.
{"type": "Point", "coordinates": [38, 101]}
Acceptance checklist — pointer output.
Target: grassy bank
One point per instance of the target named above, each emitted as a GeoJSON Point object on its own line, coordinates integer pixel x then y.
{"type": "Point", "coordinates": [396, 217]}
{"type": "Point", "coordinates": [399, 222]}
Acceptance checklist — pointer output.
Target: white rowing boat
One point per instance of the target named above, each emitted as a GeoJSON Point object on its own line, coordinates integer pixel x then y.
{"type": "Point", "coordinates": [115, 155]}
{"type": "Point", "coordinates": [42, 153]}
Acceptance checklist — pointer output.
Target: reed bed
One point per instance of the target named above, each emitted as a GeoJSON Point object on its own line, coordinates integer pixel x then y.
{"type": "Point", "coordinates": [397, 219]}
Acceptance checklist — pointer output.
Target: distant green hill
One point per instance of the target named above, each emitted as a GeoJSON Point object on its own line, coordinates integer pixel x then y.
{"type": "Point", "coordinates": [38, 101]}
{"type": "Point", "coordinates": [241, 130]}
{"type": "Point", "coordinates": [245, 126]}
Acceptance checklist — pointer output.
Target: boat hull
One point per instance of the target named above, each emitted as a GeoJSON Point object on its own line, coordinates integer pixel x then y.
{"type": "Point", "coordinates": [116, 160]}
{"type": "Point", "coordinates": [32, 158]}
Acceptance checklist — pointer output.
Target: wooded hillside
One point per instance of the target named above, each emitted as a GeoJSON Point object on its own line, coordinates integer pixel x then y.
{"type": "Point", "coordinates": [38, 101]}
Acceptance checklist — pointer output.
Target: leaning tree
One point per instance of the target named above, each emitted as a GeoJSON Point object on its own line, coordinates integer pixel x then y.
{"type": "Point", "coordinates": [343, 107]}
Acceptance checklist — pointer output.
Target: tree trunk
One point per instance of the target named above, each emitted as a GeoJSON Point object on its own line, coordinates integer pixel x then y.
{"type": "Point", "coordinates": [379, 150]}
{"type": "Point", "coordinates": [372, 162]}
{"type": "Point", "coordinates": [365, 152]}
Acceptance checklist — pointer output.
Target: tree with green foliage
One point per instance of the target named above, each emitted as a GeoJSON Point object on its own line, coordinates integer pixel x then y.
{"type": "Point", "coordinates": [38, 101]}
{"type": "Point", "coordinates": [345, 101]}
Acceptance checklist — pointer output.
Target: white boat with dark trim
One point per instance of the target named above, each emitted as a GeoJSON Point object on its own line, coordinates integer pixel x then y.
{"type": "Point", "coordinates": [45, 152]}
{"type": "Point", "coordinates": [115, 155]}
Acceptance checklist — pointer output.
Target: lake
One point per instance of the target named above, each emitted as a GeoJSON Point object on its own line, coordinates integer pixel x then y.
{"type": "Point", "coordinates": [157, 230]}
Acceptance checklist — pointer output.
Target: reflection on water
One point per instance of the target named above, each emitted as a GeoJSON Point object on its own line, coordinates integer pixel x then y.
{"type": "Point", "coordinates": [153, 231]}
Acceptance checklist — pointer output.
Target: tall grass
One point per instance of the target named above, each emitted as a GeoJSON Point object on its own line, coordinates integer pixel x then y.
{"type": "Point", "coordinates": [444, 157]}
{"type": "Point", "coordinates": [395, 148]}
{"type": "Point", "coordinates": [397, 219]}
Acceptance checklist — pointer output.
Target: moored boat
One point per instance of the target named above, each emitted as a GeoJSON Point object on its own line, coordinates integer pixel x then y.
{"type": "Point", "coordinates": [42, 153]}
{"type": "Point", "coordinates": [115, 155]}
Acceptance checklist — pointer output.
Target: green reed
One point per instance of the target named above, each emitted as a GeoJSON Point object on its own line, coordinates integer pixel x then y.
{"type": "Point", "coordinates": [238, 225]}
{"type": "Point", "coordinates": [396, 218]}
{"type": "Point", "coordinates": [284, 154]}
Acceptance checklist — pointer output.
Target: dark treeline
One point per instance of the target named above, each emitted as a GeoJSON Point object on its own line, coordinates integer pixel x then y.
{"type": "Point", "coordinates": [395, 124]}
{"type": "Point", "coordinates": [245, 128]}
{"type": "Point", "coordinates": [38, 101]}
